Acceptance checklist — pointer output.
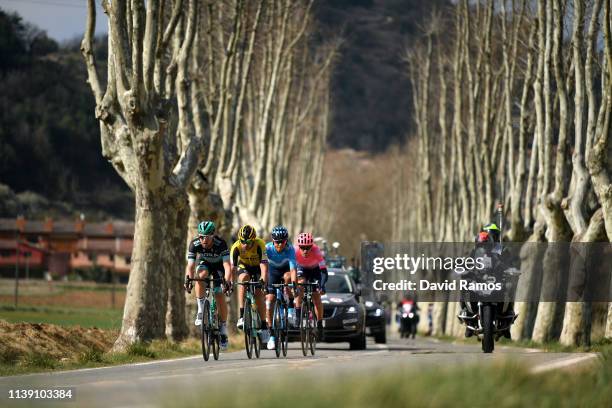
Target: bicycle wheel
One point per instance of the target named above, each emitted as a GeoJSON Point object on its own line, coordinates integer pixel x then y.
{"type": "Point", "coordinates": [256, 334]}
{"type": "Point", "coordinates": [248, 341]}
{"type": "Point", "coordinates": [205, 331]}
{"type": "Point", "coordinates": [304, 328]}
{"type": "Point", "coordinates": [216, 335]}
{"type": "Point", "coordinates": [312, 335]}
{"type": "Point", "coordinates": [284, 330]}
{"type": "Point", "coordinates": [276, 327]}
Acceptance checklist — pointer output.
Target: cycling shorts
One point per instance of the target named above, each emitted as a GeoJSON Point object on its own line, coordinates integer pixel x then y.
{"type": "Point", "coordinates": [215, 271]}
{"type": "Point", "coordinates": [253, 271]}
{"type": "Point", "coordinates": [275, 276]}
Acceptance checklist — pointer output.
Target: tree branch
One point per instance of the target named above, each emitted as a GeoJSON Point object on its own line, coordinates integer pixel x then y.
{"type": "Point", "coordinates": [88, 53]}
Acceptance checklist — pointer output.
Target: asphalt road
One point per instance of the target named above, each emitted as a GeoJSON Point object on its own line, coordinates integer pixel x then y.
{"type": "Point", "coordinates": [147, 384]}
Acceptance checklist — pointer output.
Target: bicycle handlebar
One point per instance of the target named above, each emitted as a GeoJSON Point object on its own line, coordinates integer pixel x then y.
{"type": "Point", "coordinates": [250, 283]}
{"type": "Point", "coordinates": [204, 279]}
{"type": "Point", "coordinates": [282, 285]}
{"type": "Point", "coordinates": [315, 283]}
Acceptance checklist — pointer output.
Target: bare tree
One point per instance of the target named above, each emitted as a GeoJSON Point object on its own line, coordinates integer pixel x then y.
{"type": "Point", "coordinates": [148, 81]}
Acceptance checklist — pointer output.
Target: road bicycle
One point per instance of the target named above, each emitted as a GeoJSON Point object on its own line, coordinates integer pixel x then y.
{"type": "Point", "coordinates": [210, 329]}
{"type": "Point", "coordinates": [308, 320]}
{"type": "Point", "coordinates": [280, 320]}
{"type": "Point", "coordinates": [252, 321]}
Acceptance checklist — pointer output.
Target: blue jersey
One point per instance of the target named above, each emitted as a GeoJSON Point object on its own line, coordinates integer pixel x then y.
{"type": "Point", "coordinates": [278, 260]}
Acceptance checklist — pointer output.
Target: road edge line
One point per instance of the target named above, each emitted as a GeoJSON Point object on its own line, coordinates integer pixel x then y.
{"type": "Point", "coordinates": [568, 362]}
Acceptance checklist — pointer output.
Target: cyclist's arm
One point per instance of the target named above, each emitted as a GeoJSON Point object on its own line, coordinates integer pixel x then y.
{"type": "Point", "coordinates": [190, 268]}
{"type": "Point", "coordinates": [324, 276]}
{"type": "Point", "coordinates": [261, 251]}
{"type": "Point", "coordinates": [292, 265]}
{"type": "Point", "coordinates": [234, 255]}
{"type": "Point", "coordinates": [225, 255]}
{"type": "Point", "coordinates": [228, 271]}
{"type": "Point", "coordinates": [323, 269]}
{"type": "Point", "coordinates": [191, 259]}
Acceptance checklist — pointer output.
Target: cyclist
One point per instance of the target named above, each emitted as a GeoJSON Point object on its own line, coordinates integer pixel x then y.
{"type": "Point", "coordinates": [248, 257]}
{"type": "Point", "coordinates": [281, 269]}
{"type": "Point", "coordinates": [212, 254]}
{"type": "Point", "coordinates": [310, 267]}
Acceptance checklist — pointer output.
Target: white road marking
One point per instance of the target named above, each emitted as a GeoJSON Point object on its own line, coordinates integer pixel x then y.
{"type": "Point", "coordinates": [554, 365]}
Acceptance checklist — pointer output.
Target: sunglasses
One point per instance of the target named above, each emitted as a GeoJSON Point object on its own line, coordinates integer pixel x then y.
{"type": "Point", "coordinates": [279, 242]}
{"type": "Point", "coordinates": [206, 236]}
{"type": "Point", "coordinates": [246, 241]}
{"type": "Point", "coordinates": [306, 247]}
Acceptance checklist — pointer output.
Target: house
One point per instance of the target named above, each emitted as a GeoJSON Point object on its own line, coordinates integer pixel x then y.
{"type": "Point", "coordinates": [63, 246]}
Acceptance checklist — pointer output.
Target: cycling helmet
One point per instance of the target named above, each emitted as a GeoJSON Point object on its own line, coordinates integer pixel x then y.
{"type": "Point", "coordinates": [247, 233]}
{"type": "Point", "coordinates": [279, 233]}
{"type": "Point", "coordinates": [305, 238]}
{"type": "Point", "coordinates": [206, 228]}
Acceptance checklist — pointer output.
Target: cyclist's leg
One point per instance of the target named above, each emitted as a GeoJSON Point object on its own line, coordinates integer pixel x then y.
{"type": "Point", "coordinates": [275, 277]}
{"type": "Point", "coordinates": [259, 296]}
{"type": "Point", "coordinates": [300, 290]}
{"type": "Point", "coordinates": [287, 281]}
{"type": "Point", "coordinates": [200, 287]}
{"type": "Point", "coordinates": [316, 296]}
{"type": "Point", "coordinates": [219, 296]}
{"type": "Point", "coordinates": [243, 276]}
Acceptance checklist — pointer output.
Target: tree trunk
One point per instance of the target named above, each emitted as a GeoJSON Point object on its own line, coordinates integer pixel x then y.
{"type": "Point", "coordinates": [529, 284]}
{"type": "Point", "coordinates": [174, 258]}
{"type": "Point", "coordinates": [144, 313]}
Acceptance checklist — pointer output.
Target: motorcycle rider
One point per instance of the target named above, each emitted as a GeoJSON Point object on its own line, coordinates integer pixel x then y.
{"type": "Point", "coordinates": [489, 239]}
{"type": "Point", "coordinates": [405, 305]}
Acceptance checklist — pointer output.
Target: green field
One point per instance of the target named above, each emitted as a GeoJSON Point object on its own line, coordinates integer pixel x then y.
{"type": "Point", "coordinates": [85, 317]}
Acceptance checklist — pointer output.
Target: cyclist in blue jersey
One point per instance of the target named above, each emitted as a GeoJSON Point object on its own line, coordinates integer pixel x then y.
{"type": "Point", "coordinates": [281, 269]}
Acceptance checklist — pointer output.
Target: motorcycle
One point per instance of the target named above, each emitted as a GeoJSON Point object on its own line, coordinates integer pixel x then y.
{"type": "Point", "coordinates": [408, 320]}
{"type": "Point", "coordinates": [486, 314]}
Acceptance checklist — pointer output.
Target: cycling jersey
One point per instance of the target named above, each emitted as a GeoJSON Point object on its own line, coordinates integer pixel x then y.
{"type": "Point", "coordinates": [312, 266]}
{"type": "Point", "coordinates": [252, 256]}
{"type": "Point", "coordinates": [282, 259]}
{"type": "Point", "coordinates": [312, 259]}
{"type": "Point", "coordinates": [210, 259]}
{"type": "Point", "coordinates": [215, 255]}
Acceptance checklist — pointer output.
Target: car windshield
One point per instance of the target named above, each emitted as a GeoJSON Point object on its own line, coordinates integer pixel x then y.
{"type": "Point", "coordinates": [338, 284]}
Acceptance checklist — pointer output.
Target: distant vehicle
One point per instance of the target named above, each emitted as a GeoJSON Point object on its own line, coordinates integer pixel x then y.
{"type": "Point", "coordinates": [344, 315]}
{"type": "Point", "coordinates": [335, 262]}
{"type": "Point", "coordinates": [375, 321]}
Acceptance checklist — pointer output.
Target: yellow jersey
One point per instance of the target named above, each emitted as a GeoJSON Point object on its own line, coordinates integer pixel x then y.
{"type": "Point", "coordinates": [252, 256]}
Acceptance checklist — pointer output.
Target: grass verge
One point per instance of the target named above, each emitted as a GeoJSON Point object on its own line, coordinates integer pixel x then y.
{"type": "Point", "coordinates": [506, 385]}
{"type": "Point", "coordinates": [37, 362]}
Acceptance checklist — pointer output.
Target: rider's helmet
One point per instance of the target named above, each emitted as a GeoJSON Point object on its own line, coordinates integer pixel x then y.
{"type": "Point", "coordinates": [246, 234]}
{"type": "Point", "coordinates": [206, 228]}
{"type": "Point", "coordinates": [305, 239]}
{"type": "Point", "coordinates": [493, 231]}
{"type": "Point", "coordinates": [279, 233]}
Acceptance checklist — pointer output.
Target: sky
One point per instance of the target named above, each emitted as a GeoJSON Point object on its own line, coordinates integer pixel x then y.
{"type": "Point", "coordinates": [61, 19]}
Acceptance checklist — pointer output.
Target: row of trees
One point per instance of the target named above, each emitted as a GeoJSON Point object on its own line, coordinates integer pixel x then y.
{"type": "Point", "coordinates": [512, 105]}
{"type": "Point", "coordinates": [209, 110]}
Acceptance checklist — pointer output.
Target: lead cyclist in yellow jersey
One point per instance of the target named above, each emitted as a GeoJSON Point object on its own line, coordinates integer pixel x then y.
{"type": "Point", "coordinates": [249, 259]}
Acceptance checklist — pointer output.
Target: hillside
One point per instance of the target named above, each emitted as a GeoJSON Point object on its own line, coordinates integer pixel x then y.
{"type": "Point", "coordinates": [49, 138]}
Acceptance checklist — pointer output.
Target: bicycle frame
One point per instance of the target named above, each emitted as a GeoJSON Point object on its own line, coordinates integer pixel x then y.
{"type": "Point", "coordinates": [307, 319]}
{"type": "Point", "coordinates": [211, 332]}
{"type": "Point", "coordinates": [251, 328]}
